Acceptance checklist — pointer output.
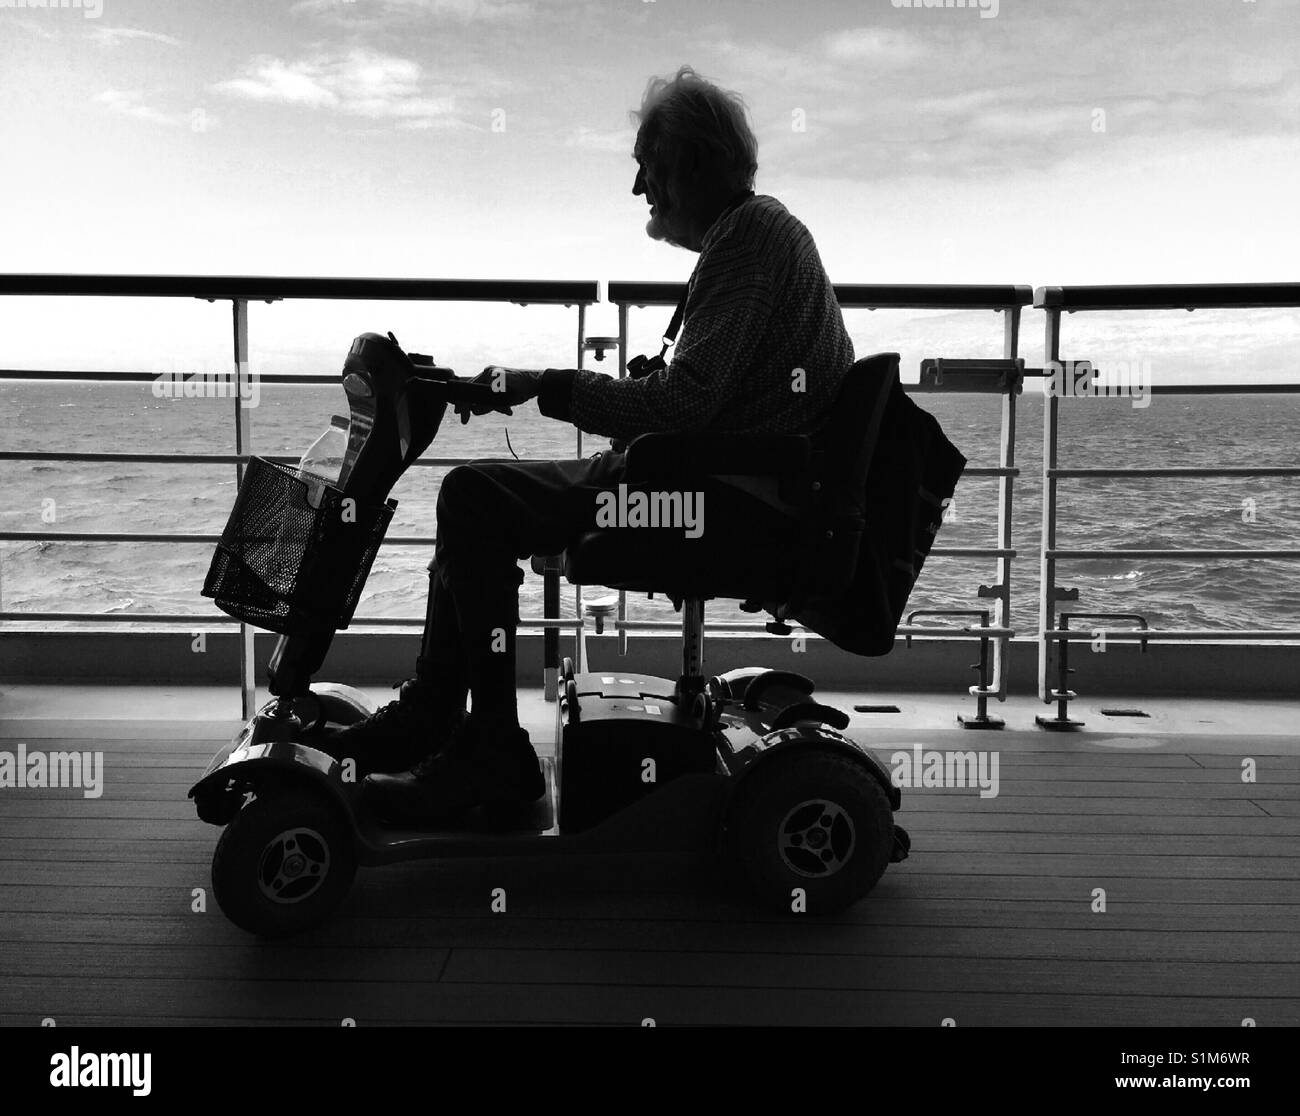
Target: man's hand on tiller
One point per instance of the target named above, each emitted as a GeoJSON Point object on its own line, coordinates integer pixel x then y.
{"type": "Point", "coordinates": [509, 386]}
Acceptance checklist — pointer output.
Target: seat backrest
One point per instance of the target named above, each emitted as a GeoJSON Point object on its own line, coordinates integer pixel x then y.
{"type": "Point", "coordinates": [843, 451]}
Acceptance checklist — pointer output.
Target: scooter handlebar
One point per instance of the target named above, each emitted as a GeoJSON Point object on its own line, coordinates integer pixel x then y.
{"type": "Point", "coordinates": [461, 393]}
{"type": "Point", "coordinates": [464, 394]}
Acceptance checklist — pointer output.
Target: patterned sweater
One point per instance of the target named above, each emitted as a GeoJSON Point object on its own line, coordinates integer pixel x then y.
{"type": "Point", "coordinates": [759, 306]}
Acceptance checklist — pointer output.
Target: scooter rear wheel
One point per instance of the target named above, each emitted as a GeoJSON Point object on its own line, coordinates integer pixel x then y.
{"type": "Point", "coordinates": [284, 863]}
{"type": "Point", "coordinates": [812, 822]}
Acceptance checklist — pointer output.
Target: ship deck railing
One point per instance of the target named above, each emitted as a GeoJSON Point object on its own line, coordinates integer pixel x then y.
{"type": "Point", "coordinates": [1002, 377]}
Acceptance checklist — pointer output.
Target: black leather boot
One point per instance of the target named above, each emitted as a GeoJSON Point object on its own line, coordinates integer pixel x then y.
{"type": "Point", "coordinates": [399, 735]}
{"type": "Point", "coordinates": [489, 769]}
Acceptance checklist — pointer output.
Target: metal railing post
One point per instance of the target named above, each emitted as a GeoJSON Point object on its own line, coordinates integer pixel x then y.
{"type": "Point", "coordinates": [622, 372]}
{"type": "Point", "coordinates": [1006, 499]}
{"type": "Point", "coordinates": [580, 632]}
{"type": "Point", "coordinates": [551, 636]}
{"type": "Point", "coordinates": [243, 445]}
{"type": "Point", "coordinates": [1047, 563]}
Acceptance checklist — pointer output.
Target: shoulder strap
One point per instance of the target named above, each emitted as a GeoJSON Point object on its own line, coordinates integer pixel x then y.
{"type": "Point", "coordinates": [670, 334]}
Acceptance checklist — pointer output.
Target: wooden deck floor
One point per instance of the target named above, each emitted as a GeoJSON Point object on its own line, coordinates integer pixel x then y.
{"type": "Point", "coordinates": [989, 922]}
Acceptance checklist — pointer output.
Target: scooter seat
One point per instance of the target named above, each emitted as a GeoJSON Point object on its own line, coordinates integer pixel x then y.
{"type": "Point", "coordinates": [679, 567]}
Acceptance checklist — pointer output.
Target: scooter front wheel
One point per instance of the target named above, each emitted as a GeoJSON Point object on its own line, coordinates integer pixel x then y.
{"type": "Point", "coordinates": [284, 863]}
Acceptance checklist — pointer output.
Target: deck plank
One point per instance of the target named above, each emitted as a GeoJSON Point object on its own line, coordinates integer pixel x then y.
{"type": "Point", "coordinates": [62, 942]}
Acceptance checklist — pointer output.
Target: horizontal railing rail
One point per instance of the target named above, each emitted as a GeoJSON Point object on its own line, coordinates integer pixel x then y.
{"type": "Point", "coordinates": [1175, 296]}
{"type": "Point", "coordinates": [856, 296]}
{"type": "Point", "coordinates": [191, 458]}
{"type": "Point", "coordinates": [272, 288]}
{"type": "Point", "coordinates": [1174, 635]}
{"type": "Point", "coordinates": [1182, 552]}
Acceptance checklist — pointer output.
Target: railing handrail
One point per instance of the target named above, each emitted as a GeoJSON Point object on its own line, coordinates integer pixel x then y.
{"type": "Point", "coordinates": [194, 458]}
{"type": "Point", "coordinates": [858, 296]}
{"type": "Point", "coordinates": [1169, 296]}
{"type": "Point", "coordinates": [1172, 296]}
{"type": "Point", "coordinates": [271, 288]}
{"type": "Point", "coordinates": [111, 377]}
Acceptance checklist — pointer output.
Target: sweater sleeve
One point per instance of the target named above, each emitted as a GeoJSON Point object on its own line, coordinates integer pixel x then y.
{"type": "Point", "coordinates": [728, 311]}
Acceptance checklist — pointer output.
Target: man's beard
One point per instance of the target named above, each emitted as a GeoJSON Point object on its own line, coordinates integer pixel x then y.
{"type": "Point", "coordinates": [657, 228]}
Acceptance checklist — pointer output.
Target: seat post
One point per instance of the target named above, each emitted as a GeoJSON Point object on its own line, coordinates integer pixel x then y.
{"type": "Point", "coordinates": [692, 680]}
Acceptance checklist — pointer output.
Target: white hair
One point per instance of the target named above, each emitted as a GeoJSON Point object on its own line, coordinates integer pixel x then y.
{"type": "Point", "coordinates": [687, 112]}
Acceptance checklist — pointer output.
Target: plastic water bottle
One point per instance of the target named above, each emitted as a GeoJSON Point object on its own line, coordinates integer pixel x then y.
{"type": "Point", "coordinates": [319, 466]}
{"type": "Point", "coordinates": [323, 461]}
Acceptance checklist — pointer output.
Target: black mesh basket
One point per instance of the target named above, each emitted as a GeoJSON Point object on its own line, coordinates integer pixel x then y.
{"type": "Point", "coordinates": [286, 566]}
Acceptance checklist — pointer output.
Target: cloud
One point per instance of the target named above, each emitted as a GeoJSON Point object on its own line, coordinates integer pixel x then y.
{"type": "Point", "coordinates": [359, 82]}
{"type": "Point", "coordinates": [116, 36]}
{"type": "Point", "coordinates": [438, 124]}
{"type": "Point", "coordinates": [270, 79]}
{"type": "Point", "coordinates": [618, 140]}
{"type": "Point", "coordinates": [375, 12]}
{"type": "Point", "coordinates": [953, 97]}
{"type": "Point", "coordinates": [130, 102]}
{"type": "Point", "coordinates": [877, 45]}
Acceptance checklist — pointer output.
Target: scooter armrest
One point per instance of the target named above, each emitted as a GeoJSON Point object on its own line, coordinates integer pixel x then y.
{"type": "Point", "coordinates": [656, 456]}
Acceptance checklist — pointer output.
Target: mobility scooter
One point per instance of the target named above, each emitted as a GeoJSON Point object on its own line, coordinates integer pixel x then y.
{"type": "Point", "coordinates": [746, 763]}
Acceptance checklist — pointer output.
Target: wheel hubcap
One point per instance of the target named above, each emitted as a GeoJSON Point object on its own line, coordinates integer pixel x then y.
{"type": "Point", "coordinates": [293, 865]}
{"type": "Point", "coordinates": [816, 839]}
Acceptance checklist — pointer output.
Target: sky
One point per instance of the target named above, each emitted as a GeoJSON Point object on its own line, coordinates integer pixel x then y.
{"type": "Point", "coordinates": [1028, 141]}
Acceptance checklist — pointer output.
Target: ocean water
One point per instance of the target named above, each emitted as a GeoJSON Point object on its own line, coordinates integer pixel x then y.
{"type": "Point", "coordinates": [123, 579]}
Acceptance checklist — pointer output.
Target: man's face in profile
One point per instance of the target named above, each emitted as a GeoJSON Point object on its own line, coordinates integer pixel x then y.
{"type": "Point", "coordinates": [667, 215]}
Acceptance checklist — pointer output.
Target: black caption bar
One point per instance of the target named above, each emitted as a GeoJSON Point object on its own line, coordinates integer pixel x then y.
{"type": "Point", "coordinates": [928, 1066]}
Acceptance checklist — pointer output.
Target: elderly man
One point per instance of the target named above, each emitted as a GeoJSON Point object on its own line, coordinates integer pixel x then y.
{"type": "Point", "coordinates": [763, 349]}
